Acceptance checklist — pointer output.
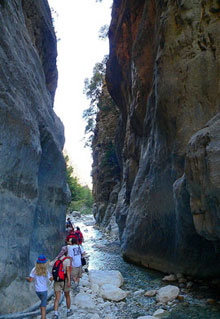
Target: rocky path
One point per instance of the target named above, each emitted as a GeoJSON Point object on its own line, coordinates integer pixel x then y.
{"type": "Point", "coordinates": [141, 294]}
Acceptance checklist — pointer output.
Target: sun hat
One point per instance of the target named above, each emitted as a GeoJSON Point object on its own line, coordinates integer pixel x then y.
{"type": "Point", "coordinates": [41, 259]}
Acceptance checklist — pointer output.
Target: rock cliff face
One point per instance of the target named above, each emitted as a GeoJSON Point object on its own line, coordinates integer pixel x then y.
{"type": "Point", "coordinates": [33, 191]}
{"type": "Point", "coordinates": [105, 170]}
{"type": "Point", "coordinates": [163, 74]}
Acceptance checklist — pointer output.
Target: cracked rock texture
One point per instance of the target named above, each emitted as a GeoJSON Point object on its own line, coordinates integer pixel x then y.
{"type": "Point", "coordinates": [163, 74]}
{"type": "Point", "coordinates": [33, 190]}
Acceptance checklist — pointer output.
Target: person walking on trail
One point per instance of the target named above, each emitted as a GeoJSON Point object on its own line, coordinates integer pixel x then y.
{"type": "Point", "coordinates": [40, 275]}
{"type": "Point", "coordinates": [75, 252]}
{"type": "Point", "coordinates": [69, 225]}
{"type": "Point", "coordinates": [71, 234]}
{"type": "Point", "coordinates": [63, 285]}
{"type": "Point", "coordinates": [79, 235]}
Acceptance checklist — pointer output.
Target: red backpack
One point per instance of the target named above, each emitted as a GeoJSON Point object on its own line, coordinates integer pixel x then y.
{"type": "Point", "coordinates": [58, 271]}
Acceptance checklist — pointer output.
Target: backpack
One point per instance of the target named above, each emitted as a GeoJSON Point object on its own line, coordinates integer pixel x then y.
{"type": "Point", "coordinates": [78, 237]}
{"type": "Point", "coordinates": [58, 271]}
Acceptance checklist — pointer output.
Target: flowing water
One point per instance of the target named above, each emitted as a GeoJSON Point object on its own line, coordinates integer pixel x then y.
{"type": "Point", "coordinates": [106, 255]}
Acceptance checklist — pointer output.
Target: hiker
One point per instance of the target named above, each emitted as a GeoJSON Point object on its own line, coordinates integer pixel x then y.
{"type": "Point", "coordinates": [60, 286]}
{"type": "Point", "coordinates": [75, 252]}
{"type": "Point", "coordinates": [71, 235]}
{"type": "Point", "coordinates": [69, 225]}
{"type": "Point", "coordinates": [79, 235]}
{"type": "Point", "coordinates": [40, 275]}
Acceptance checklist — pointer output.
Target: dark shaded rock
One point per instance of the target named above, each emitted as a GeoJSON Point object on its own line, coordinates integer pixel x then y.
{"type": "Point", "coordinates": [33, 190]}
{"type": "Point", "coordinates": [162, 74]}
{"type": "Point", "coordinates": [203, 179]}
{"type": "Point", "coordinates": [105, 168]}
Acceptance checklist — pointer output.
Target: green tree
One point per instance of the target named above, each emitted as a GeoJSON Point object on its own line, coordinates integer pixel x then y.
{"type": "Point", "coordinates": [103, 32]}
{"type": "Point", "coordinates": [96, 91]}
{"type": "Point", "coordinates": [81, 196]}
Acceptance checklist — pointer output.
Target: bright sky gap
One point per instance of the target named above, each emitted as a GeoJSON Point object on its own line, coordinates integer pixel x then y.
{"type": "Point", "coordinates": [77, 24]}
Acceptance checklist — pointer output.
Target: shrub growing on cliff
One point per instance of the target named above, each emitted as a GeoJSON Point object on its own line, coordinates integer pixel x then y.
{"type": "Point", "coordinates": [96, 91]}
{"type": "Point", "coordinates": [81, 196]}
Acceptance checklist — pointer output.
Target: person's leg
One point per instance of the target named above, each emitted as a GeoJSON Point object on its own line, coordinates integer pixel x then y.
{"type": "Point", "coordinates": [58, 287]}
{"type": "Point", "coordinates": [57, 299]}
{"type": "Point", "coordinates": [74, 274]}
{"type": "Point", "coordinates": [43, 312]}
{"type": "Point", "coordinates": [79, 275]}
{"type": "Point", "coordinates": [68, 300]}
{"type": "Point", "coordinates": [43, 297]}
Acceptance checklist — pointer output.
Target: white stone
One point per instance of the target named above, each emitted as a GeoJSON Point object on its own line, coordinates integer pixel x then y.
{"type": "Point", "coordinates": [89, 223]}
{"type": "Point", "coordinates": [75, 213]}
{"type": "Point", "coordinates": [146, 317]}
{"type": "Point", "coordinates": [178, 276]}
{"type": "Point", "coordinates": [100, 300]}
{"type": "Point", "coordinates": [138, 292]}
{"type": "Point", "coordinates": [95, 288]}
{"type": "Point", "coordinates": [101, 277]}
{"type": "Point", "coordinates": [167, 293]}
{"type": "Point", "coordinates": [112, 292]}
{"type": "Point", "coordinates": [95, 316]}
{"type": "Point", "coordinates": [84, 301]}
{"type": "Point", "coordinates": [169, 278]}
{"type": "Point", "coordinates": [110, 316]}
{"type": "Point", "coordinates": [151, 293]}
{"type": "Point", "coordinates": [85, 281]}
{"type": "Point", "coordinates": [182, 280]}
{"type": "Point", "coordinates": [107, 303]}
{"type": "Point", "coordinates": [160, 313]}
{"type": "Point", "coordinates": [189, 284]}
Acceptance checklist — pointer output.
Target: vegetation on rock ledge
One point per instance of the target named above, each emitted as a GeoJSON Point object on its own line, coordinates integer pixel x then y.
{"type": "Point", "coordinates": [81, 196]}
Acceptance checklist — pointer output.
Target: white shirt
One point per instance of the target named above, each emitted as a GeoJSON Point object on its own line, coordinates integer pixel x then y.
{"type": "Point", "coordinates": [40, 282]}
{"type": "Point", "coordinates": [66, 263]}
{"type": "Point", "coordinates": [75, 251]}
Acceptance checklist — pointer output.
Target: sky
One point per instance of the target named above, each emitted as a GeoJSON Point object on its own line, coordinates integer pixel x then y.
{"type": "Point", "coordinates": [77, 24]}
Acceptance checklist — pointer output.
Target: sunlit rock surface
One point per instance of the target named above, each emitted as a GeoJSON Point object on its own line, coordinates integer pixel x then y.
{"type": "Point", "coordinates": [33, 191]}
{"type": "Point", "coordinates": [163, 74]}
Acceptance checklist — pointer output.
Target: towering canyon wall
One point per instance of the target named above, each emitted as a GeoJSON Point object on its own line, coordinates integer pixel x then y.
{"type": "Point", "coordinates": [105, 168]}
{"type": "Point", "coordinates": [163, 74]}
{"type": "Point", "coordinates": [33, 191]}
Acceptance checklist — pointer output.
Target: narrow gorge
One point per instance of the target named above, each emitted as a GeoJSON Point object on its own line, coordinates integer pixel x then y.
{"type": "Point", "coordinates": [163, 75]}
{"type": "Point", "coordinates": [156, 145]}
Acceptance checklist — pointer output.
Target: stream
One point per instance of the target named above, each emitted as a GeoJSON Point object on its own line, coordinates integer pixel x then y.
{"type": "Point", "coordinates": [200, 302]}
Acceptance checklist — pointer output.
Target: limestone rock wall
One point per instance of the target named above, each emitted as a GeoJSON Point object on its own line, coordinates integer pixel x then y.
{"type": "Point", "coordinates": [163, 74]}
{"type": "Point", "coordinates": [105, 170]}
{"type": "Point", "coordinates": [33, 190]}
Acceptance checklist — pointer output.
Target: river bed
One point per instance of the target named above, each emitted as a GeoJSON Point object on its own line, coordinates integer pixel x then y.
{"type": "Point", "coordinates": [104, 254]}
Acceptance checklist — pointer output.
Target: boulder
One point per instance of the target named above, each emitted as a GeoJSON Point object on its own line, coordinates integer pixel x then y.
{"type": "Point", "coordinates": [101, 277]}
{"type": "Point", "coordinates": [75, 214]}
{"type": "Point", "coordinates": [150, 293]}
{"type": "Point", "coordinates": [170, 278]}
{"type": "Point", "coordinates": [160, 313]}
{"type": "Point", "coordinates": [113, 293]}
{"type": "Point", "coordinates": [167, 293]}
{"type": "Point", "coordinates": [84, 301]}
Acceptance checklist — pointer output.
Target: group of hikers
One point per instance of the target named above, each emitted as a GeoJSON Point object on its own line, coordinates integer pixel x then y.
{"type": "Point", "coordinates": [66, 272]}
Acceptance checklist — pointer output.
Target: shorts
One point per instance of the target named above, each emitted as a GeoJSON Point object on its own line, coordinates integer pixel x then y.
{"type": "Point", "coordinates": [61, 286]}
{"type": "Point", "coordinates": [76, 272]}
{"type": "Point", "coordinates": [43, 297]}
